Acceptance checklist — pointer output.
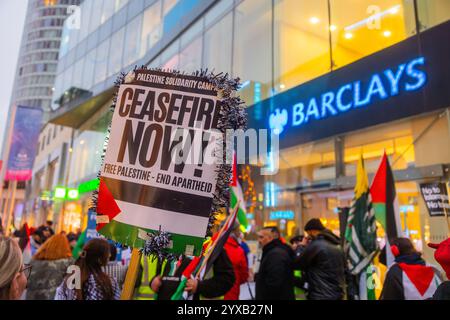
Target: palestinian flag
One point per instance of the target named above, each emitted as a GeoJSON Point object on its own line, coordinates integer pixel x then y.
{"type": "Point", "coordinates": [361, 230]}
{"type": "Point", "coordinates": [237, 195]}
{"type": "Point", "coordinates": [385, 204]}
{"type": "Point", "coordinates": [217, 243]}
{"type": "Point", "coordinates": [187, 274]}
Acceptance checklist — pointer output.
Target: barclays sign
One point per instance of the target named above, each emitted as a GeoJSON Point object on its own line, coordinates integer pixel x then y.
{"type": "Point", "coordinates": [391, 82]}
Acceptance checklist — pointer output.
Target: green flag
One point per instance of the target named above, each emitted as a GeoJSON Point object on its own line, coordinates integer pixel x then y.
{"type": "Point", "coordinates": [361, 230]}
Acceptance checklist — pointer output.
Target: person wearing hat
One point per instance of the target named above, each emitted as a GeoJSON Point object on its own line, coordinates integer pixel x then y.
{"type": "Point", "coordinates": [322, 263]}
{"type": "Point", "coordinates": [442, 256]}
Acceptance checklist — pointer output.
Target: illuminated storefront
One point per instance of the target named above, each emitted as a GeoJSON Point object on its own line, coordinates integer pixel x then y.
{"type": "Point", "coordinates": [392, 101]}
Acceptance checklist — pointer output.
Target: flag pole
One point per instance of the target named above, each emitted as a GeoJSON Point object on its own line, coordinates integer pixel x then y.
{"type": "Point", "coordinates": [132, 272]}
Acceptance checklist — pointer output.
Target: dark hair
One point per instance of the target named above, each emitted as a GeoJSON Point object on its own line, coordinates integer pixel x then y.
{"type": "Point", "coordinates": [50, 222]}
{"type": "Point", "coordinates": [274, 230]}
{"type": "Point", "coordinates": [112, 252]}
{"type": "Point", "coordinates": [298, 238]}
{"type": "Point", "coordinates": [404, 245]}
{"type": "Point", "coordinates": [314, 224]}
{"type": "Point", "coordinates": [94, 256]}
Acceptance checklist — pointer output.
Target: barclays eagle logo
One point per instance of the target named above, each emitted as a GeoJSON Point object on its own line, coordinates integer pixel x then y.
{"type": "Point", "coordinates": [277, 120]}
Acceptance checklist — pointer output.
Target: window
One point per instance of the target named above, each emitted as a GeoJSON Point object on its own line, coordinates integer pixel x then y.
{"type": "Point", "coordinates": [217, 47]}
{"type": "Point", "coordinates": [170, 57]}
{"type": "Point", "coordinates": [369, 26]}
{"type": "Point", "coordinates": [78, 74]}
{"type": "Point", "coordinates": [49, 135]}
{"type": "Point", "coordinates": [96, 15]}
{"type": "Point", "coordinates": [151, 28]}
{"type": "Point", "coordinates": [86, 10]}
{"type": "Point", "coordinates": [108, 10]}
{"type": "Point", "coordinates": [191, 56]}
{"type": "Point", "coordinates": [101, 62]}
{"type": "Point", "coordinates": [88, 73]}
{"type": "Point", "coordinates": [252, 46]}
{"type": "Point", "coordinates": [433, 12]}
{"type": "Point", "coordinates": [301, 43]}
{"type": "Point", "coordinates": [115, 56]}
{"type": "Point", "coordinates": [132, 41]}
{"type": "Point", "coordinates": [168, 5]}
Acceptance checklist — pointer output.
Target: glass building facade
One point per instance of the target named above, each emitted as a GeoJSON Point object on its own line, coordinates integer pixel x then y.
{"type": "Point", "coordinates": [273, 46]}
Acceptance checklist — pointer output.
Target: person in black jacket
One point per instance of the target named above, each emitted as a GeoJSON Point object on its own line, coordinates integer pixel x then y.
{"type": "Point", "coordinates": [323, 263]}
{"type": "Point", "coordinates": [221, 282]}
{"type": "Point", "coordinates": [275, 278]}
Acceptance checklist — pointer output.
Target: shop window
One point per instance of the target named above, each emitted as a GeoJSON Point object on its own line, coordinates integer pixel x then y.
{"type": "Point", "coordinates": [432, 12]}
{"type": "Point", "coordinates": [396, 140]}
{"type": "Point", "coordinates": [253, 46]}
{"type": "Point", "coordinates": [302, 46]}
{"type": "Point", "coordinates": [217, 45]}
{"type": "Point", "coordinates": [360, 28]}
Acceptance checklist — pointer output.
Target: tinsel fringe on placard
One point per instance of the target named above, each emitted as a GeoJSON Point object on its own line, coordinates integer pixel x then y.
{"type": "Point", "coordinates": [232, 116]}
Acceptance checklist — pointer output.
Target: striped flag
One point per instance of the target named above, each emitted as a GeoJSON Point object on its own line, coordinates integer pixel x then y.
{"type": "Point", "coordinates": [237, 195]}
{"type": "Point", "coordinates": [217, 243]}
{"type": "Point", "coordinates": [385, 204]}
{"type": "Point", "coordinates": [361, 230]}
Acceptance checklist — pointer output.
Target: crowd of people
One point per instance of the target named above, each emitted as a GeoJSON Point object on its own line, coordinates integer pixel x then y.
{"type": "Point", "coordinates": [311, 266]}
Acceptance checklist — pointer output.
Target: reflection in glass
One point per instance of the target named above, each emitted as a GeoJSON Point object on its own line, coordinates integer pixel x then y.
{"type": "Point", "coordinates": [368, 27]}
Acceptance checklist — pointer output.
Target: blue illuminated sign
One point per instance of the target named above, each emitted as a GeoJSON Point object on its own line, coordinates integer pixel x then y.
{"type": "Point", "coordinates": [392, 82]}
{"type": "Point", "coordinates": [277, 215]}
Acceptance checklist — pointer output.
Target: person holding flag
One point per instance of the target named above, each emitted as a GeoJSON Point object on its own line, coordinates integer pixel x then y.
{"type": "Point", "coordinates": [209, 276]}
{"type": "Point", "coordinates": [360, 244]}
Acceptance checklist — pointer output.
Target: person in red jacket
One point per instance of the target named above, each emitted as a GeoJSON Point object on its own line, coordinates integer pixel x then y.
{"type": "Point", "coordinates": [237, 257]}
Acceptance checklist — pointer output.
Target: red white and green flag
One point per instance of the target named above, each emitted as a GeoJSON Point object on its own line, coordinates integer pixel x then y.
{"type": "Point", "coordinates": [236, 196]}
{"type": "Point", "coordinates": [385, 204]}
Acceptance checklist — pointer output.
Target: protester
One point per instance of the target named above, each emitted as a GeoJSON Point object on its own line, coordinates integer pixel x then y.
{"type": "Point", "coordinates": [49, 266]}
{"type": "Point", "coordinates": [49, 224]}
{"type": "Point", "coordinates": [45, 233]}
{"type": "Point", "coordinates": [36, 240]}
{"type": "Point", "coordinates": [95, 284]}
{"type": "Point", "coordinates": [72, 238]}
{"type": "Point", "coordinates": [409, 278]}
{"type": "Point", "coordinates": [322, 263]}
{"type": "Point", "coordinates": [275, 277]}
{"type": "Point", "coordinates": [216, 283]}
{"type": "Point", "coordinates": [442, 256]}
{"type": "Point", "coordinates": [13, 274]}
{"type": "Point", "coordinates": [237, 257]}
{"type": "Point", "coordinates": [114, 268]}
{"type": "Point", "coordinates": [296, 244]}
